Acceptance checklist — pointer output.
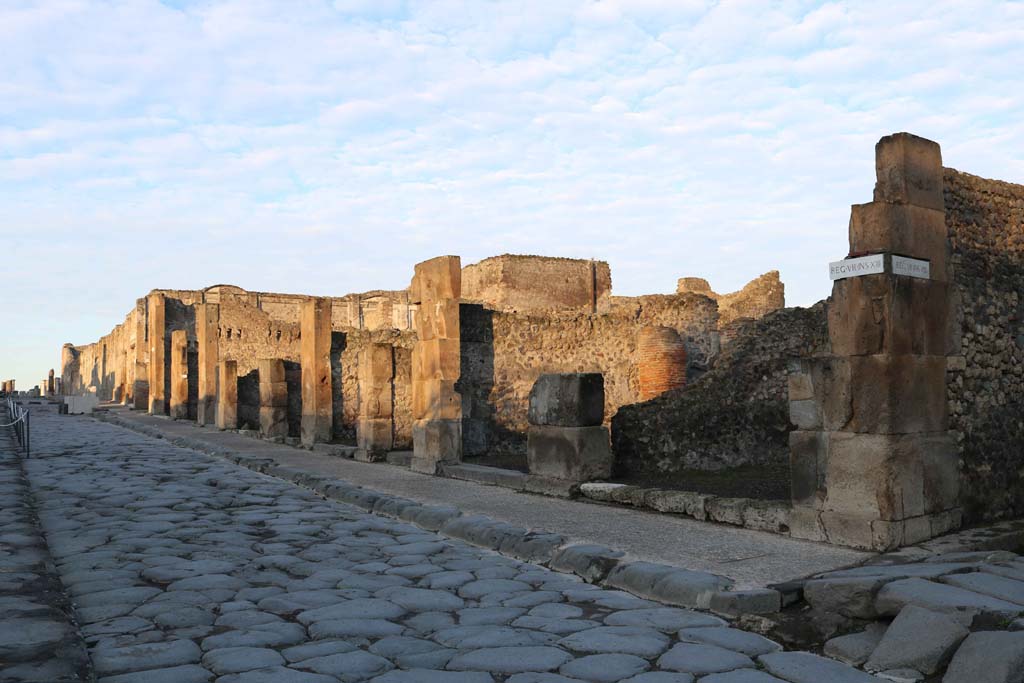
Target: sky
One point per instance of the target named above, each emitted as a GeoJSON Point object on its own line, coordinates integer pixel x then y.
{"type": "Point", "coordinates": [324, 148]}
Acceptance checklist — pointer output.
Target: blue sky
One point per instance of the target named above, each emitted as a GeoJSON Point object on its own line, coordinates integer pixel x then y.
{"type": "Point", "coordinates": [325, 147]}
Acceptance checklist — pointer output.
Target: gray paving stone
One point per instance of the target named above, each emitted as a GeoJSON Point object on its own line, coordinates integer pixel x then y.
{"type": "Point", "coordinates": [281, 635]}
{"type": "Point", "coordinates": [360, 628]}
{"type": "Point", "coordinates": [702, 659]}
{"type": "Point", "coordinates": [850, 596]}
{"type": "Point", "coordinates": [605, 668]}
{"type": "Point", "coordinates": [540, 677]}
{"type": "Point", "coordinates": [663, 618]}
{"type": "Point", "coordinates": [277, 674]}
{"type": "Point", "coordinates": [988, 657]}
{"type": "Point", "coordinates": [855, 648]}
{"type": "Point", "coordinates": [425, 676]}
{"type": "Point", "coordinates": [743, 642]}
{"type": "Point", "coordinates": [940, 597]}
{"type": "Point", "coordinates": [740, 676]}
{"type": "Point", "coordinates": [489, 615]}
{"type": "Point", "coordinates": [422, 599]}
{"type": "Point", "coordinates": [360, 608]}
{"type": "Point", "coordinates": [115, 660]}
{"type": "Point", "coordinates": [466, 637]}
{"type": "Point", "coordinates": [803, 667]}
{"type": "Point", "coordinates": [355, 665]}
{"type": "Point", "coordinates": [917, 639]}
{"type": "Point", "coordinates": [510, 660]}
{"type": "Point", "coordinates": [633, 640]}
{"type": "Point", "coordinates": [28, 638]}
{"type": "Point", "coordinates": [480, 588]}
{"type": "Point", "coordinates": [317, 648]}
{"type": "Point", "coordinates": [990, 584]}
{"type": "Point", "coordinates": [237, 659]}
{"type": "Point", "coordinates": [189, 673]}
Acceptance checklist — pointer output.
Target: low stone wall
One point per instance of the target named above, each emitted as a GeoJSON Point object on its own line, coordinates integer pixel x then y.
{"type": "Point", "coordinates": [503, 354]}
{"type": "Point", "coordinates": [985, 373]}
{"type": "Point", "coordinates": [736, 414]}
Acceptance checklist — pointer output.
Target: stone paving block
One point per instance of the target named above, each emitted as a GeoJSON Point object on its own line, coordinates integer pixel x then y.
{"type": "Point", "coordinates": [749, 644]}
{"type": "Point", "coordinates": [903, 646]}
{"type": "Point", "coordinates": [509, 660]}
{"type": "Point", "coordinates": [277, 674]}
{"type": "Point", "coordinates": [666, 619]}
{"type": "Point", "coordinates": [188, 673]}
{"type": "Point", "coordinates": [703, 659]}
{"type": "Point", "coordinates": [851, 597]}
{"type": "Point", "coordinates": [741, 676]}
{"type": "Point", "coordinates": [605, 668]}
{"type": "Point", "coordinates": [803, 667]}
{"type": "Point", "coordinates": [855, 648]}
{"type": "Point", "coordinates": [687, 588]}
{"type": "Point", "coordinates": [738, 603]}
{"type": "Point", "coordinates": [115, 660]}
{"type": "Point", "coordinates": [591, 562]}
{"type": "Point", "coordinates": [965, 605]}
{"type": "Point", "coordinates": [236, 659]}
{"type": "Point", "coordinates": [988, 657]}
{"type": "Point", "coordinates": [633, 640]}
{"type": "Point", "coordinates": [426, 676]}
{"type": "Point", "coordinates": [990, 584]}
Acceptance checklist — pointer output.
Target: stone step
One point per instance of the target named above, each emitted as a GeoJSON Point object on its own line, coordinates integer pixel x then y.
{"type": "Point", "coordinates": [966, 605]}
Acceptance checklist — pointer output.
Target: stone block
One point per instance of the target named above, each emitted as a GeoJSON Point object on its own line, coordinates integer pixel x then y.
{"type": "Point", "coordinates": [805, 523]}
{"type": "Point", "coordinates": [438, 319]}
{"type": "Point", "coordinates": [436, 400]}
{"type": "Point", "coordinates": [375, 435]}
{"type": "Point", "coordinates": [886, 394]}
{"type": "Point", "coordinates": [435, 442]}
{"type": "Point", "coordinates": [855, 648]}
{"type": "Point", "coordinates": [437, 278]}
{"type": "Point", "coordinates": [799, 383]}
{"type": "Point", "coordinates": [852, 596]}
{"type": "Point", "coordinates": [884, 314]}
{"type": "Point", "coordinates": [738, 603]}
{"type": "Point", "coordinates": [805, 414]}
{"type": "Point", "coordinates": [573, 453]}
{"type": "Point", "coordinates": [179, 375]}
{"type": "Point", "coordinates": [808, 461]}
{"type": "Point", "coordinates": [988, 657]}
{"type": "Point", "coordinates": [903, 647]}
{"type": "Point", "coordinates": [227, 394]}
{"type": "Point", "coordinates": [904, 230]}
{"type": "Point", "coordinates": [207, 344]}
{"type": "Point", "coordinates": [376, 365]}
{"type": "Point", "coordinates": [271, 370]}
{"type": "Point", "coordinates": [437, 359]}
{"type": "Point", "coordinates": [678, 502]}
{"type": "Point", "coordinates": [908, 169]}
{"type": "Point", "coordinates": [727, 510]}
{"type": "Point", "coordinates": [273, 421]}
{"type": "Point", "coordinates": [274, 394]}
{"type": "Point", "coordinates": [377, 402]}
{"type": "Point", "coordinates": [567, 400]}
{"type": "Point", "coordinates": [315, 358]}
{"type": "Point", "coordinates": [767, 515]}
{"type": "Point", "coordinates": [156, 336]}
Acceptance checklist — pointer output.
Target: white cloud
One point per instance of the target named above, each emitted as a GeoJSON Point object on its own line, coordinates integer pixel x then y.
{"type": "Point", "coordinates": [326, 147]}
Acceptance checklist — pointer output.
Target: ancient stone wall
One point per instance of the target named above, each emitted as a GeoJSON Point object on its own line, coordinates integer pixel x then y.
{"type": "Point", "coordinates": [758, 297]}
{"type": "Point", "coordinates": [503, 354]}
{"type": "Point", "coordinates": [536, 283]}
{"type": "Point", "coordinates": [985, 376]}
{"type": "Point", "coordinates": [736, 414]}
{"type": "Point", "coordinates": [106, 367]}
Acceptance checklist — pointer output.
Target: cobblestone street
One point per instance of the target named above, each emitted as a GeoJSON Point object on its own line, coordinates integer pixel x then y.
{"type": "Point", "coordinates": [183, 568]}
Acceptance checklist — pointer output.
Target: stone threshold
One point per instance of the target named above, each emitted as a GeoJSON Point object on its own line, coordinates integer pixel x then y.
{"type": "Point", "coordinates": [595, 564]}
{"type": "Point", "coordinates": [750, 513]}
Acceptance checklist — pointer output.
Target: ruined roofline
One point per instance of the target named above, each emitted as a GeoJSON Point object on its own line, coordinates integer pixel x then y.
{"type": "Point", "coordinates": [689, 285]}
{"type": "Point", "coordinates": [286, 295]}
{"type": "Point", "coordinates": [1015, 190]}
{"type": "Point", "coordinates": [524, 257]}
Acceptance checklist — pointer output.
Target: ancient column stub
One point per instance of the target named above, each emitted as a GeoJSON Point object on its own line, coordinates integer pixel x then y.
{"type": "Point", "coordinates": [661, 361]}
{"type": "Point", "coordinates": [179, 375]}
{"type": "Point", "coordinates": [315, 350]}
{"type": "Point", "coordinates": [227, 394]}
{"type": "Point", "coordinates": [207, 341]}
{"type": "Point", "coordinates": [375, 428]}
{"type": "Point", "coordinates": [273, 399]}
{"type": "Point", "coordinates": [566, 437]}
{"type": "Point", "coordinates": [436, 364]}
{"type": "Point", "coordinates": [873, 464]}
{"type": "Point", "coordinates": [156, 332]}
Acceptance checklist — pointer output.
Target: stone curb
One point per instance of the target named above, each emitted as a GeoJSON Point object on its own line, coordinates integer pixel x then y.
{"type": "Point", "coordinates": [749, 513]}
{"type": "Point", "coordinates": [593, 563]}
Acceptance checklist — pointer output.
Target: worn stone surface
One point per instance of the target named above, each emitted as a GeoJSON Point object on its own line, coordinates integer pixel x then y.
{"type": "Point", "coordinates": [855, 648]}
{"type": "Point", "coordinates": [988, 657]}
{"type": "Point", "coordinates": [917, 639]}
{"type": "Point", "coordinates": [187, 564]}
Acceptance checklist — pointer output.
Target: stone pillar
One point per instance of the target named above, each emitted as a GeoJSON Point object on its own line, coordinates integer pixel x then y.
{"type": "Point", "coordinates": [436, 364]}
{"type": "Point", "coordinates": [566, 438]}
{"type": "Point", "coordinates": [156, 333]}
{"type": "Point", "coordinates": [69, 367]}
{"type": "Point", "coordinates": [49, 383]}
{"type": "Point", "coordinates": [273, 399]}
{"type": "Point", "coordinates": [227, 394]}
{"type": "Point", "coordinates": [140, 355]}
{"type": "Point", "coordinates": [207, 320]}
{"type": "Point", "coordinates": [873, 463]}
{"type": "Point", "coordinates": [315, 349]}
{"type": "Point", "coordinates": [58, 388]}
{"type": "Point", "coordinates": [375, 428]}
{"type": "Point", "coordinates": [179, 375]}
{"type": "Point", "coordinates": [661, 361]}
{"type": "Point", "coordinates": [140, 390]}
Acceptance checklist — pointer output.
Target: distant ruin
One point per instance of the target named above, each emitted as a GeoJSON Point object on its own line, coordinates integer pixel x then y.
{"type": "Point", "coordinates": [886, 414]}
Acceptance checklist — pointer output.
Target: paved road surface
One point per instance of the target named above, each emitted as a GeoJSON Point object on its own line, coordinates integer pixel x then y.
{"type": "Point", "coordinates": [184, 568]}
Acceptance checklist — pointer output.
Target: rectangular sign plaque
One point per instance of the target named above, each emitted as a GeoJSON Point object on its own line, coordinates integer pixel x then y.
{"type": "Point", "coordinates": [901, 265]}
{"type": "Point", "coordinates": [853, 267]}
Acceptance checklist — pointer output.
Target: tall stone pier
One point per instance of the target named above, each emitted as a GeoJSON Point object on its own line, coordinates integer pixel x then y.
{"type": "Point", "coordinates": [179, 375]}
{"type": "Point", "coordinates": [207, 319]}
{"type": "Point", "coordinates": [375, 428]}
{"type": "Point", "coordinates": [140, 385]}
{"type": "Point", "coordinates": [436, 363]}
{"type": "Point", "coordinates": [227, 394]}
{"type": "Point", "coordinates": [873, 463]}
{"type": "Point", "coordinates": [315, 354]}
{"type": "Point", "coordinates": [156, 335]}
{"type": "Point", "coordinates": [273, 399]}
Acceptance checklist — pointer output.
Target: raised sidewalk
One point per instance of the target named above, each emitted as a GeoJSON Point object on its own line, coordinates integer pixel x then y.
{"type": "Point", "coordinates": [752, 559]}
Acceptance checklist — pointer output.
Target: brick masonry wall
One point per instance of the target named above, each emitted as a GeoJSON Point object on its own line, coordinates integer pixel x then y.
{"type": "Point", "coordinates": [503, 353]}
{"type": "Point", "coordinates": [513, 282]}
{"type": "Point", "coordinates": [758, 297]}
{"type": "Point", "coordinates": [736, 414]}
{"type": "Point", "coordinates": [985, 378]}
